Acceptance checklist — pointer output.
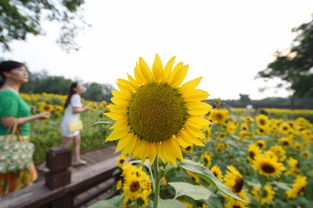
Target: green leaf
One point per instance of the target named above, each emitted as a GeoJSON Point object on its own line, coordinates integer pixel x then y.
{"type": "Point", "coordinates": [100, 123]}
{"type": "Point", "coordinates": [110, 203]}
{"type": "Point", "coordinates": [281, 185]}
{"type": "Point", "coordinates": [170, 203]}
{"type": "Point", "coordinates": [193, 191]}
{"type": "Point", "coordinates": [208, 176]}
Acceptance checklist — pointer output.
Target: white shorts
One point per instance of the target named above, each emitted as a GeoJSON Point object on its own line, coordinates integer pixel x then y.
{"type": "Point", "coordinates": [65, 131]}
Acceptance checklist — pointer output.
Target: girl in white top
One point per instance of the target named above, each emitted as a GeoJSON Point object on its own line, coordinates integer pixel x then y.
{"type": "Point", "coordinates": [73, 108]}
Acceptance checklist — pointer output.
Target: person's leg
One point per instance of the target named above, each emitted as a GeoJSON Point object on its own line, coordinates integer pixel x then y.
{"type": "Point", "coordinates": [77, 160]}
{"type": "Point", "coordinates": [67, 141]}
{"type": "Point", "coordinates": [76, 141]}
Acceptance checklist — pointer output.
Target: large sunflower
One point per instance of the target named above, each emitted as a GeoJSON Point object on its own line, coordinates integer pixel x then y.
{"type": "Point", "coordinates": [268, 166]}
{"type": "Point", "coordinates": [155, 115]}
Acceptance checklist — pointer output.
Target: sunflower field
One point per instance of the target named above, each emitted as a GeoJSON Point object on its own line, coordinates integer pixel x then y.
{"type": "Point", "coordinates": [179, 151]}
{"type": "Point", "coordinates": [47, 133]}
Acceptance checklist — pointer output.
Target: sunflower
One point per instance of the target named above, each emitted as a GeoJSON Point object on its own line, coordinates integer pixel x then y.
{"type": "Point", "coordinates": [279, 151]}
{"type": "Point", "coordinates": [249, 119]}
{"type": "Point", "coordinates": [285, 128]}
{"type": "Point", "coordinates": [188, 149]}
{"type": "Point", "coordinates": [297, 146]}
{"type": "Point", "coordinates": [263, 195]}
{"type": "Point", "coordinates": [306, 154]}
{"type": "Point", "coordinates": [244, 127]}
{"type": "Point", "coordinates": [262, 121]}
{"type": "Point", "coordinates": [133, 187]}
{"type": "Point", "coordinates": [58, 109]}
{"type": "Point", "coordinates": [231, 127]}
{"type": "Point", "coordinates": [261, 144]}
{"type": "Point", "coordinates": [233, 179]}
{"type": "Point", "coordinates": [254, 151]}
{"type": "Point", "coordinates": [217, 172]}
{"type": "Point", "coordinates": [121, 160]}
{"type": "Point", "coordinates": [206, 158]}
{"type": "Point", "coordinates": [268, 166]}
{"type": "Point", "coordinates": [235, 204]}
{"type": "Point", "coordinates": [293, 167]}
{"type": "Point", "coordinates": [156, 115]}
{"type": "Point", "coordinates": [194, 177]}
{"type": "Point", "coordinates": [297, 187]}
{"type": "Point", "coordinates": [286, 141]}
{"type": "Point", "coordinates": [219, 116]}
{"type": "Point", "coordinates": [46, 108]}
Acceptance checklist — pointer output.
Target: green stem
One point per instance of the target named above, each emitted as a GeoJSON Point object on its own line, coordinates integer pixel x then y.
{"type": "Point", "coordinates": [155, 168]}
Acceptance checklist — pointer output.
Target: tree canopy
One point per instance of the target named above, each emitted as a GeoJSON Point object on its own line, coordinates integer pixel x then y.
{"type": "Point", "coordinates": [40, 82]}
{"type": "Point", "coordinates": [19, 18]}
{"type": "Point", "coordinates": [295, 66]}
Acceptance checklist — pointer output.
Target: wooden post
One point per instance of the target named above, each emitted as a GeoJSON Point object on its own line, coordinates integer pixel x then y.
{"type": "Point", "coordinates": [58, 161]}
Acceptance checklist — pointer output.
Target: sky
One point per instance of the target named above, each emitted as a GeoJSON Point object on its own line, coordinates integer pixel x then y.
{"type": "Point", "coordinates": [226, 42]}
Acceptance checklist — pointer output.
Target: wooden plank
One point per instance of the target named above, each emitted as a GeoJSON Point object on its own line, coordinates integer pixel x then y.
{"type": "Point", "coordinates": [38, 195]}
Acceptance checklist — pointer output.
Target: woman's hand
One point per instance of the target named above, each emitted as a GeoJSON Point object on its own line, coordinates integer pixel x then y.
{"type": "Point", "coordinates": [87, 108]}
{"type": "Point", "coordinates": [43, 115]}
{"type": "Point", "coordinates": [33, 108]}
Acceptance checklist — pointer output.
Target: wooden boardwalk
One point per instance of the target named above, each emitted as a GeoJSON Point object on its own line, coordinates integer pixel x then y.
{"type": "Point", "coordinates": [87, 185]}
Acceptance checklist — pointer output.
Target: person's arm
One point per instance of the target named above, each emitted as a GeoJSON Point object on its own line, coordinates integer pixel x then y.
{"type": "Point", "coordinates": [80, 109]}
{"type": "Point", "coordinates": [7, 120]}
{"type": "Point", "coordinates": [76, 105]}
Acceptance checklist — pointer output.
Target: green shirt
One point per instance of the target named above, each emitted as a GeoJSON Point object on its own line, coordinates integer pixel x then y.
{"type": "Point", "coordinates": [11, 104]}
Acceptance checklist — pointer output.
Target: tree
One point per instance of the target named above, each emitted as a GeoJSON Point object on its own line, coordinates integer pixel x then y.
{"type": "Point", "coordinates": [19, 18]}
{"type": "Point", "coordinates": [295, 66]}
{"type": "Point", "coordinates": [244, 99]}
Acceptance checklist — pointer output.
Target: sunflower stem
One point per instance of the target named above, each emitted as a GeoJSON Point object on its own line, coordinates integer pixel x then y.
{"type": "Point", "coordinates": [155, 168]}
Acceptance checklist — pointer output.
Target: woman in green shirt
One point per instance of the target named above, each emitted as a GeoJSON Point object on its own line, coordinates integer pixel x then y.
{"type": "Point", "coordinates": [14, 109]}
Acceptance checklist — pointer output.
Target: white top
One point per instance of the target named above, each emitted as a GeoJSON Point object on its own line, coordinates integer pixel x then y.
{"type": "Point", "coordinates": [69, 116]}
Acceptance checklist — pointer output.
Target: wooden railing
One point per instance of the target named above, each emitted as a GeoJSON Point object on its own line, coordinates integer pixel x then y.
{"type": "Point", "coordinates": [62, 188]}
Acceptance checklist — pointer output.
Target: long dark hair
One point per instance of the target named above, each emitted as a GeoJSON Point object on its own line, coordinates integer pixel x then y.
{"type": "Point", "coordinates": [70, 93]}
{"type": "Point", "coordinates": [7, 66]}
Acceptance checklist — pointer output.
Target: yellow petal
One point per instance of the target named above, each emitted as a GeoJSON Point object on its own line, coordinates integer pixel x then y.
{"type": "Point", "coordinates": [129, 148]}
{"type": "Point", "coordinates": [145, 71]}
{"type": "Point", "coordinates": [179, 76]}
{"type": "Point", "coordinates": [168, 69]}
{"type": "Point", "coordinates": [190, 85]}
{"type": "Point", "coordinates": [182, 142]}
{"type": "Point", "coordinates": [152, 152]}
{"type": "Point", "coordinates": [198, 109]}
{"type": "Point", "coordinates": [176, 69]}
{"type": "Point", "coordinates": [119, 124]}
{"type": "Point", "coordinates": [157, 68]}
{"type": "Point", "coordinates": [194, 131]}
{"type": "Point", "coordinates": [115, 116]}
{"type": "Point", "coordinates": [195, 95]}
{"type": "Point", "coordinates": [119, 101]}
{"type": "Point", "coordinates": [125, 85]}
{"type": "Point", "coordinates": [138, 75]}
{"type": "Point", "coordinates": [190, 138]}
{"type": "Point", "coordinates": [123, 142]}
{"type": "Point", "coordinates": [117, 134]}
{"type": "Point", "coordinates": [198, 121]}
{"type": "Point", "coordinates": [132, 80]}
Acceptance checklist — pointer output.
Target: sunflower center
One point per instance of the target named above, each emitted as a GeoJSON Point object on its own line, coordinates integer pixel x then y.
{"type": "Point", "coordinates": [236, 206]}
{"type": "Point", "coordinates": [238, 185]}
{"type": "Point", "coordinates": [134, 186]}
{"type": "Point", "coordinates": [157, 112]}
{"type": "Point", "coordinates": [218, 116]}
{"type": "Point", "coordinates": [251, 154]}
{"type": "Point", "coordinates": [268, 168]}
{"type": "Point", "coordinates": [262, 122]}
{"type": "Point", "coordinates": [188, 148]}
